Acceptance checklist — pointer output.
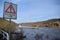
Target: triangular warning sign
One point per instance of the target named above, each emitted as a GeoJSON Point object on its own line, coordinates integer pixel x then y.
{"type": "Point", "coordinates": [10, 9]}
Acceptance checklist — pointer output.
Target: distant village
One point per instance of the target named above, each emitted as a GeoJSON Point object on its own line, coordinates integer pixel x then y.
{"type": "Point", "coordinates": [52, 23]}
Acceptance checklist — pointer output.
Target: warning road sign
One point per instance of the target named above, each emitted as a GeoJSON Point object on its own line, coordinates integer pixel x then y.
{"type": "Point", "coordinates": [10, 10]}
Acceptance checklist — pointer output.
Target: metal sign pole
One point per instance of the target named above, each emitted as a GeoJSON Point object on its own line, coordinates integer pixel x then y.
{"type": "Point", "coordinates": [10, 24]}
{"type": "Point", "coordinates": [9, 29]}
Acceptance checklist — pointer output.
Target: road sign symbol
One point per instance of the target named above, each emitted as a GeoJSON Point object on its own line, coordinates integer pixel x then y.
{"type": "Point", "coordinates": [11, 8]}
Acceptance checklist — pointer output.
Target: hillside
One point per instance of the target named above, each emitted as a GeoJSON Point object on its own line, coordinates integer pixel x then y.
{"type": "Point", "coordinates": [52, 23]}
{"type": "Point", "coordinates": [5, 25]}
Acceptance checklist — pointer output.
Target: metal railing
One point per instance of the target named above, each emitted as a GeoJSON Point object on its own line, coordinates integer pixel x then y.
{"type": "Point", "coordinates": [5, 34]}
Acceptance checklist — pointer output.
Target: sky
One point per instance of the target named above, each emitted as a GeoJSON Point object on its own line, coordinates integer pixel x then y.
{"type": "Point", "coordinates": [34, 10]}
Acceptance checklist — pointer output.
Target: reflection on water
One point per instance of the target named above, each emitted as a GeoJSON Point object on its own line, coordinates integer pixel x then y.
{"type": "Point", "coordinates": [40, 33]}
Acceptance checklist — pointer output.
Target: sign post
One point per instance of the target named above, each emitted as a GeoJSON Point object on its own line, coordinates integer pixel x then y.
{"type": "Point", "coordinates": [10, 12]}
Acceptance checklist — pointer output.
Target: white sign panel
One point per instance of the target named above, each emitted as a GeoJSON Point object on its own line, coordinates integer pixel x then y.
{"type": "Point", "coordinates": [10, 10]}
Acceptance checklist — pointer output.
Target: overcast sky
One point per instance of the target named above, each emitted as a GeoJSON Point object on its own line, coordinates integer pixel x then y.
{"type": "Point", "coordinates": [34, 10]}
